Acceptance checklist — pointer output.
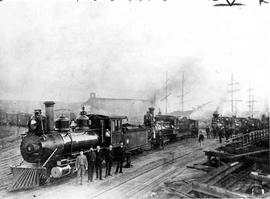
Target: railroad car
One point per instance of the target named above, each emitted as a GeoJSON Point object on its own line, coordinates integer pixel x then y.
{"type": "Point", "coordinates": [188, 127]}
{"type": "Point", "coordinates": [167, 127]}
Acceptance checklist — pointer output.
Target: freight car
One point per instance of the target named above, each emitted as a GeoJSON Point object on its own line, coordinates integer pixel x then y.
{"type": "Point", "coordinates": [51, 147]}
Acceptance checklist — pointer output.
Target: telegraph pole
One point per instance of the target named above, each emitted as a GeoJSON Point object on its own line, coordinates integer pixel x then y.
{"type": "Point", "coordinates": [232, 90]}
{"type": "Point", "coordinates": [182, 95]}
{"type": "Point", "coordinates": [166, 88]}
{"type": "Point", "coordinates": [251, 101]}
{"type": "Point", "coordinates": [267, 113]}
{"type": "Point", "coordinates": [166, 93]}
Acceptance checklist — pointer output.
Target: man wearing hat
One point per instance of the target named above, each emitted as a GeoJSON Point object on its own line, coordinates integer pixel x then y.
{"type": "Point", "coordinates": [99, 160]}
{"type": "Point", "coordinates": [81, 165]}
{"type": "Point", "coordinates": [91, 157]}
{"type": "Point", "coordinates": [109, 160]}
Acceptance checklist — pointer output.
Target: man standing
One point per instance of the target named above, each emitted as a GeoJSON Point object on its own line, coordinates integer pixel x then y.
{"type": "Point", "coordinates": [109, 160]}
{"type": "Point", "coordinates": [81, 166]}
{"type": "Point", "coordinates": [207, 129]}
{"type": "Point", "coordinates": [201, 138]}
{"type": "Point", "coordinates": [120, 157]}
{"type": "Point", "coordinates": [91, 157]}
{"type": "Point", "coordinates": [220, 134]}
{"type": "Point", "coordinates": [99, 159]}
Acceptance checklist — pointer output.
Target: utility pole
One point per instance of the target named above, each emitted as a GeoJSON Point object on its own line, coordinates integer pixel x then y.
{"type": "Point", "coordinates": [166, 93]}
{"type": "Point", "coordinates": [267, 113]}
{"type": "Point", "coordinates": [182, 95]}
{"type": "Point", "coordinates": [251, 101]}
{"type": "Point", "coordinates": [232, 90]}
{"type": "Point", "coordinates": [166, 89]}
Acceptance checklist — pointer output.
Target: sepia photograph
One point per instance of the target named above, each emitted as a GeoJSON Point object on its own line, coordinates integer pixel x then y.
{"type": "Point", "coordinates": [134, 99]}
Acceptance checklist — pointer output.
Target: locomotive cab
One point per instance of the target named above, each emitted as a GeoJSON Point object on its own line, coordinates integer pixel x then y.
{"type": "Point", "coordinates": [116, 123]}
{"type": "Point", "coordinates": [109, 128]}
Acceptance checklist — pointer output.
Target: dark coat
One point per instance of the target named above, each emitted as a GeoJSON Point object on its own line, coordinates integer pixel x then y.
{"type": "Point", "coordinates": [99, 157]}
{"type": "Point", "coordinates": [120, 153]}
{"type": "Point", "coordinates": [201, 138]}
{"type": "Point", "coordinates": [91, 156]}
{"type": "Point", "coordinates": [109, 155]}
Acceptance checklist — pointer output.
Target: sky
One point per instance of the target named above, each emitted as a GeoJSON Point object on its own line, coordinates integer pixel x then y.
{"type": "Point", "coordinates": [63, 50]}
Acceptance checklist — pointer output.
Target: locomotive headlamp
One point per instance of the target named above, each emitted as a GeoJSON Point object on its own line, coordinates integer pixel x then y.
{"type": "Point", "coordinates": [33, 124]}
{"type": "Point", "coordinates": [127, 141]}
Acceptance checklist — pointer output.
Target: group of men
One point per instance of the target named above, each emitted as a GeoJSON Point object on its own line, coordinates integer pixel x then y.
{"type": "Point", "coordinates": [94, 159]}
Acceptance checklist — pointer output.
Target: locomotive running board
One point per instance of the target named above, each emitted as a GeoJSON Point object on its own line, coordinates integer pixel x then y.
{"type": "Point", "coordinates": [26, 177]}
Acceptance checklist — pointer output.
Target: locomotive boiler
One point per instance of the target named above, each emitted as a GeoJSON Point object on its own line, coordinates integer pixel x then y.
{"type": "Point", "coordinates": [42, 139]}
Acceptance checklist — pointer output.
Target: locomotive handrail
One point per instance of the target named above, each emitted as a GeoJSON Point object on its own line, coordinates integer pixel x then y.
{"type": "Point", "coordinates": [49, 157]}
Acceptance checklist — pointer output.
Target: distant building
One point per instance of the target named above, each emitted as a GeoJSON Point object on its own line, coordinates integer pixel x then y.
{"type": "Point", "coordinates": [133, 108]}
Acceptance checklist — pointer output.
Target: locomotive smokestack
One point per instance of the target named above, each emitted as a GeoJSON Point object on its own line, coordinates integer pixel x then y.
{"type": "Point", "coordinates": [49, 115]}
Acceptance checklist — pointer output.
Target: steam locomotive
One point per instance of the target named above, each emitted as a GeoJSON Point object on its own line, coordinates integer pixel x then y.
{"type": "Point", "coordinates": [238, 125]}
{"type": "Point", "coordinates": [168, 128]}
{"type": "Point", "coordinates": [51, 146]}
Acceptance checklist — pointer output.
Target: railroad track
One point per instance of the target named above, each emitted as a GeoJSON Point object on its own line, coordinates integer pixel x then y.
{"type": "Point", "coordinates": [151, 178]}
{"type": "Point", "coordinates": [127, 185]}
{"type": "Point", "coordinates": [10, 156]}
{"type": "Point", "coordinates": [136, 176]}
{"type": "Point", "coordinates": [142, 184]}
{"type": "Point", "coordinates": [156, 159]}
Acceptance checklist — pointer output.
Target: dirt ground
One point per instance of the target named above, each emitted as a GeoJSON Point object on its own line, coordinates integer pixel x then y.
{"type": "Point", "coordinates": [149, 172]}
{"type": "Point", "coordinates": [9, 151]}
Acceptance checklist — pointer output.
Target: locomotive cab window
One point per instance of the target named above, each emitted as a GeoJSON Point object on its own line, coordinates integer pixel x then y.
{"type": "Point", "coordinates": [116, 124]}
{"type": "Point", "coordinates": [112, 126]}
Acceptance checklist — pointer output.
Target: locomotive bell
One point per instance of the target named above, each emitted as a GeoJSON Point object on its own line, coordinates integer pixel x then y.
{"type": "Point", "coordinates": [62, 124]}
